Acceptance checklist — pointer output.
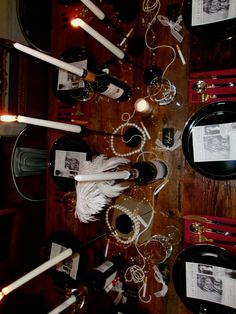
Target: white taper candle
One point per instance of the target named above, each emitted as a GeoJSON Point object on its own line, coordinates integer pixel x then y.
{"type": "Point", "coordinates": [49, 124]}
{"type": "Point", "coordinates": [37, 271]}
{"type": "Point", "coordinates": [104, 176]}
{"type": "Point", "coordinates": [64, 305]}
{"type": "Point", "coordinates": [105, 42]}
{"type": "Point", "coordinates": [92, 7]}
{"type": "Point", "coordinates": [44, 57]}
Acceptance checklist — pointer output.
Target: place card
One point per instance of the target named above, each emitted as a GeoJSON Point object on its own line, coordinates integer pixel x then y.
{"type": "Point", "coordinates": [168, 137]}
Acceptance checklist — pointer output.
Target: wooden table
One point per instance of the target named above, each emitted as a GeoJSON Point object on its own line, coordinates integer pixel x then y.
{"type": "Point", "coordinates": [187, 191]}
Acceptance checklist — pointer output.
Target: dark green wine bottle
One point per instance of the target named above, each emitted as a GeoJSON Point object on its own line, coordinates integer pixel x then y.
{"type": "Point", "coordinates": [69, 88]}
{"type": "Point", "coordinates": [149, 171]}
{"type": "Point", "coordinates": [111, 87]}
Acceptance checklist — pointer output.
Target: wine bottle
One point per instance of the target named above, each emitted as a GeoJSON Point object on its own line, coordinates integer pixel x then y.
{"type": "Point", "coordinates": [148, 171]}
{"type": "Point", "coordinates": [67, 272]}
{"type": "Point", "coordinates": [111, 87]}
{"type": "Point", "coordinates": [102, 277]}
{"type": "Point", "coordinates": [70, 88]}
{"type": "Point", "coordinates": [143, 172]}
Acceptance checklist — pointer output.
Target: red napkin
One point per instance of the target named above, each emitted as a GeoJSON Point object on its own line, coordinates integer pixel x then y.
{"type": "Point", "coordinates": [226, 239]}
{"type": "Point", "coordinates": [215, 93]}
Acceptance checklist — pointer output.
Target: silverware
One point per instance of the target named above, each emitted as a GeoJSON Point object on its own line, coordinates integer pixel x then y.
{"type": "Point", "coordinates": [211, 221]}
{"type": "Point", "coordinates": [206, 97]}
{"type": "Point", "coordinates": [198, 228]}
{"type": "Point", "coordinates": [198, 238]}
{"type": "Point", "coordinates": [201, 86]}
{"type": "Point", "coordinates": [217, 76]}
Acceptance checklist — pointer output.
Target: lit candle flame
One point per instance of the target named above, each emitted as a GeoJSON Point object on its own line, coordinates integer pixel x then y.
{"type": "Point", "coordinates": [8, 118]}
{"type": "Point", "coordinates": [1, 295]}
{"type": "Point", "coordinates": [142, 106]}
{"type": "Point", "coordinates": [75, 22]}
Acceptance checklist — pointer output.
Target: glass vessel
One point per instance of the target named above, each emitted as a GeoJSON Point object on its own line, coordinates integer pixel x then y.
{"type": "Point", "coordinates": [163, 92]}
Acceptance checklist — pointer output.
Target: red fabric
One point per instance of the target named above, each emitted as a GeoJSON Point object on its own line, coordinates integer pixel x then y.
{"type": "Point", "coordinates": [213, 77]}
{"type": "Point", "coordinates": [213, 235]}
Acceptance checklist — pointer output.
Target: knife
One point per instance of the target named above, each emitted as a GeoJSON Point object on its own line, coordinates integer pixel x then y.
{"type": "Point", "coordinates": [204, 219]}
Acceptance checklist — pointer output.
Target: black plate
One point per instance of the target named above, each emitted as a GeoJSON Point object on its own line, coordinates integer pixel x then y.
{"type": "Point", "coordinates": [67, 143]}
{"type": "Point", "coordinates": [220, 112]}
{"type": "Point", "coordinates": [213, 31]}
{"type": "Point", "coordinates": [204, 254]}
{"type": "Point", "coordinates": [35, 22]}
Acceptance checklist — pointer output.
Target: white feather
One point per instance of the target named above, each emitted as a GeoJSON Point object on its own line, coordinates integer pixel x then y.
{"type": "Point", "coordinates": [110, 189]}
{"type": "Point", "coordinates": [92, 197]}
{"type": "Point", "coordinates": [101, 163]}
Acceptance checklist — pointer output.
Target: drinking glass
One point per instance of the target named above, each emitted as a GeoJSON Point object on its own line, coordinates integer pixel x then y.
{"type": "Point", "coordinates": [160, 246]}
{"type": "Point", "coordinates": [69, 201]}
{"type": "Point", "coordinates": [173, 233]}
{"type": "Point", "coordinates": [163, 92]}
{"type": "Point", "coordinates": [158, 249]}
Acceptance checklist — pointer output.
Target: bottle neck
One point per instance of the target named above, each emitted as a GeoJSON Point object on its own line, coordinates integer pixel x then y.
{"type": "Point", "coordinates": [88, 76]}
{"type": "Point", "coordinates": [133, 174]}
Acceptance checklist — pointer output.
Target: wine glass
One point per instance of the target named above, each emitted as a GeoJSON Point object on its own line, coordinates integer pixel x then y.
{"type": "Point", "coordinates": [160, 246]}
{"type": "Point", "coordinates": [158, 249]}
{"type": "Point", "coordinates": [69, 201]}
{"type": "Point", "coordinates": [173, 233]}
{"type": "Point", "coordinates": [163, 92]}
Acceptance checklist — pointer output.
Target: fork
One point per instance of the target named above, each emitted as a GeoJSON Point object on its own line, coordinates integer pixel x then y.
{"type": "Point", "coordinates": [198, 238]}
{"type": "Point", "coordinates": [198, 228]}
{"type": "Point", "coordinates": [207, 97]}
{"type": "Point", "coordinates": [210, 221]}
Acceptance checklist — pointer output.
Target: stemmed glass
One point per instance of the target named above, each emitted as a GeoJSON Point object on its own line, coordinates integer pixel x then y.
{"type": "Point", "coordinates": [69, 201]}
{"type": "Point", "coordinates": [163, 92]}
{"type": "Point", "coordinates": [160, 246]}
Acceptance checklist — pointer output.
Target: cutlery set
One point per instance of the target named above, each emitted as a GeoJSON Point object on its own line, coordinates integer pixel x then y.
{"type": "Point", "coordinates": [219, 231]}
{"type": "Point", "coordinates": [212, 86]}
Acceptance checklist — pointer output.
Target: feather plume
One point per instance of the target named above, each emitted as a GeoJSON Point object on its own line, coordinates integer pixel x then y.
{"type": "Point", "coordinates": [101, 163]}
{"type": "Point", "coordinates": [110, 189]}
{"type": "Point", "coordinates": [92, 197]}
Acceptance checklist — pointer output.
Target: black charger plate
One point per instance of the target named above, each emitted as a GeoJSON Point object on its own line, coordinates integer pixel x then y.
{"type": "Point", "coordinates": [67, 143]}
{"type": "Point", "coordinates": [203, 254]}
{"type": "Point", "coordinates": [214, 31]}
{"type": "Point", "coordinates": [214, 113]}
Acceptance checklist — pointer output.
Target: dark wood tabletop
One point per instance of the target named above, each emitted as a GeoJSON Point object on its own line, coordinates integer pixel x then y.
{"type": "Point", "coordinates": [187, 191]}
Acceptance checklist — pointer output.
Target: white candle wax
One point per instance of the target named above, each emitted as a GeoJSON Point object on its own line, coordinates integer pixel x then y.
{"type": "Point", "coordinates": [63, 305]}
{"type": "Point", "coordinates": [50, 124]}
{"type": "Point", "coordinates": [142, 106]}
{"type": "Point", "coordinates": [180, 55]}
{"type": "Point", "coordinates": [105, 42]}
{"type": "Point", "coordinates": [44, 57]}
{"type": "Point", "coordinates": [37, 271]}
{"type": "Point", "coordinates": [92, 7]}
{"type": "Point", "coordinates": [104, 176]}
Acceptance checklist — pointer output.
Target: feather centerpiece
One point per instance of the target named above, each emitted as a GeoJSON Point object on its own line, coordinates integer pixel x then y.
{"type": "Point", "coordinates": [91, 196]}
